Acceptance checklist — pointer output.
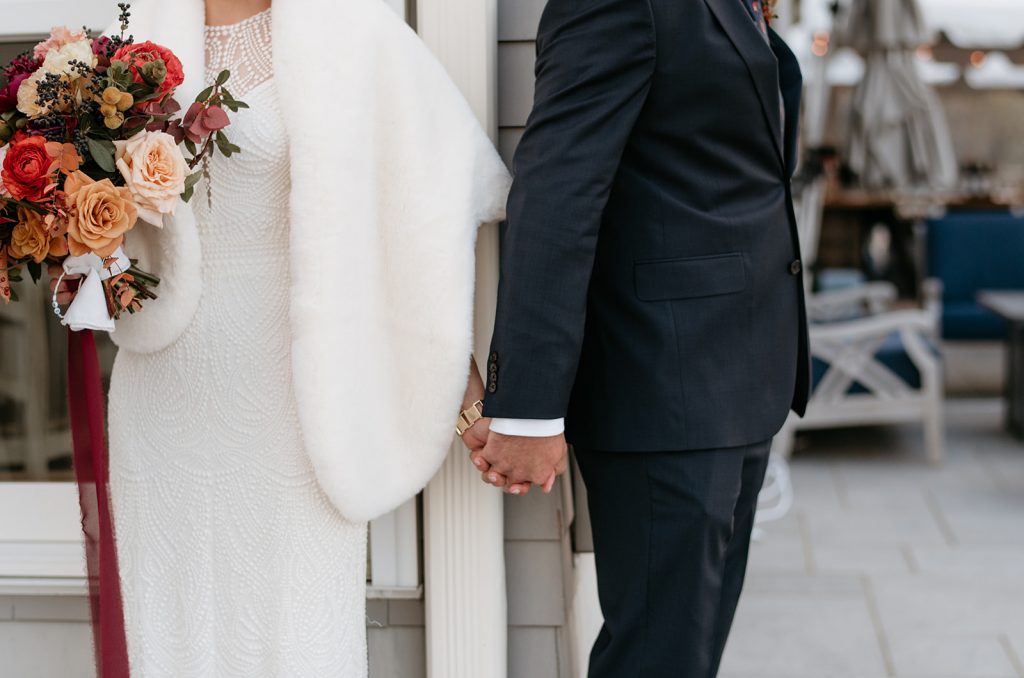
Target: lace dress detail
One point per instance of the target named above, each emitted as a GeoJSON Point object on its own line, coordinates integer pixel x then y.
{"type": "Point", "coordinates": [243, 49]}
{"type": "Point", "coordinates": [234, 562]}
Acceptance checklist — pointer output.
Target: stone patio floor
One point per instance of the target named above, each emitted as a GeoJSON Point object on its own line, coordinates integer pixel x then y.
{"type": "Point", "coordinates": [887, 567]}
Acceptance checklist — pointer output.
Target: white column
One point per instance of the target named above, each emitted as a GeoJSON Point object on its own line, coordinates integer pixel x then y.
{"type": "Point", "coordinates": [464, 538]}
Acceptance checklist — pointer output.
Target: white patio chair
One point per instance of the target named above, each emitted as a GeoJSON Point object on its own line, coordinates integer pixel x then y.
{"type": "Point", "coordinates": [873, 365]}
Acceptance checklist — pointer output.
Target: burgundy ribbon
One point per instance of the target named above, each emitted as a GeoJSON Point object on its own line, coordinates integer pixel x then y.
{"type": "Point", "coordinates": [85, 398]}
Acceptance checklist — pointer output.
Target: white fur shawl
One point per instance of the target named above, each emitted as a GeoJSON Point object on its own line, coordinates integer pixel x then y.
{"type": "Point", "coordinates": [391, 176]}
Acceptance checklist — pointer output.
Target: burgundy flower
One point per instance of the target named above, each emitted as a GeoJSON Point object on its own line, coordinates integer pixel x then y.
{"type": "Point", "coordinates": [162, 107]}
{"type": "Point", "coordinates": [101, 46]}
{"type": "Point", "coordinates": [22, 65]}
{"type": "Point", "coordinates": [9, 94]}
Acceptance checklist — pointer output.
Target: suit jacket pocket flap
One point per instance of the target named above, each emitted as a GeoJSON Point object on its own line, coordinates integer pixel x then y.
{"type": "Point", "coordinates": [665, 279]}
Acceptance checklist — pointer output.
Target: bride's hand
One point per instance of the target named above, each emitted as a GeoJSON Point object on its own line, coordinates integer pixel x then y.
{"type": "Point", "coordinates": [476, 437]}
{"type": "Point", "coordinates": [68, 286]}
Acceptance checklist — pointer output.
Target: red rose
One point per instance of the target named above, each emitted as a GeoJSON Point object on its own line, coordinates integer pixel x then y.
{"type": "Point", "coordinates": [26, 172]}
{"type": "Point", "coordinates": [138, 55]}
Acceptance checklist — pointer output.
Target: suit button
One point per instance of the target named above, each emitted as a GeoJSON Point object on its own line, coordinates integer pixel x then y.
{"type": "Point", "coordinates": [492, 388]}
{"type": "Point", "coordinates": [494, 357]}
{"type": "Point", "coordinates": [796, 267]}
{"type": "Point", "coordinates": [493, 368]}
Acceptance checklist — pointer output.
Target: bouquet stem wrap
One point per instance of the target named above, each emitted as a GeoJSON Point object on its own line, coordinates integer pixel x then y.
{"type": "Point", "coordinates": [90, 461]}
{"type": "Point", "coordinates": [89, 310]}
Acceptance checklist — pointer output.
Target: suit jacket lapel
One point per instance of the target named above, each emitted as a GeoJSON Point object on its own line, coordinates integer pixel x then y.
{"type": "Point", "coordinates": [760, 60]}
{"type": "Point", "coordinates": [791, 84]}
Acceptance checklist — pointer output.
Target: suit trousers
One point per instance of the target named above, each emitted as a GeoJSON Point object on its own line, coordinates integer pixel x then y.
{"type": "Point", "coordinates": [671, 537]}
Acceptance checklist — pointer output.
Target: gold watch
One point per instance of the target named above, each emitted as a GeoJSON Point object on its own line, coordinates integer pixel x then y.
{"type": "Point", "coordinates": [470, 416]}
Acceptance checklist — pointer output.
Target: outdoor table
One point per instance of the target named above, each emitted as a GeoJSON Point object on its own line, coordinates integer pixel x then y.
{"type": "Point", "coordinates": [1009, 305]}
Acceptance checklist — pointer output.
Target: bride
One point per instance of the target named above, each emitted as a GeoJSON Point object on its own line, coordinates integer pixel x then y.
{"type": "Point", "coordinates": [302, 369]}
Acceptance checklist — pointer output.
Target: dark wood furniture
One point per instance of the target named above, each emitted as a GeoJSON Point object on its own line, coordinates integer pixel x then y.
{"type": "Point", "coordinates": [1009, 305]}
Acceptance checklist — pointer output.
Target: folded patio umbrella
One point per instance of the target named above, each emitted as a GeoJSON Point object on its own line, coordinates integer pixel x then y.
{"type": "Point", "coordinates": [898, 137]}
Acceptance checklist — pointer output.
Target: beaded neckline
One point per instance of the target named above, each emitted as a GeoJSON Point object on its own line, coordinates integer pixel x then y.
{"type": "Point", "coordinates": [230, 28]}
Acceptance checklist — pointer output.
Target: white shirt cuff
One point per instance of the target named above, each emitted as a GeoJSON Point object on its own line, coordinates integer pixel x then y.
{"type": "Point", "coordinates": [529, 428]}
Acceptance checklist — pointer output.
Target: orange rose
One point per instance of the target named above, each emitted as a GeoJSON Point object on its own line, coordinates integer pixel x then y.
{"type": "Point", "coordinates": [30, 237]}
{"type": "Point", "coordinates": [101, 213]}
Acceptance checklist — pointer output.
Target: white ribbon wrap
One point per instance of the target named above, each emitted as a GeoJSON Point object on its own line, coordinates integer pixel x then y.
{"type": "Point", "coordinates": [88, 311]}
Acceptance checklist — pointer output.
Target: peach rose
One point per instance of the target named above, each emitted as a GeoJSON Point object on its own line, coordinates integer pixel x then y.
{"type": "Point", "coordinates": [29, 237]}
{"type": "Point", "coordinates": [28, 95]}
{"type": "Point", "coordinates": [59, 36]}
{"type": "Point", "coordinates": [154, 169]}
{"type": "Point", "coordinates": [101, 213]}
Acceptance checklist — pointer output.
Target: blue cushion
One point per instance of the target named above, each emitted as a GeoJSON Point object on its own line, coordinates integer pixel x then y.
{"type": "Point", "coordinates": [970, 252]}
{"type": "Point", "coordinates": [967, 320]}
{"type": "Point", "coordinates": [892, 354]}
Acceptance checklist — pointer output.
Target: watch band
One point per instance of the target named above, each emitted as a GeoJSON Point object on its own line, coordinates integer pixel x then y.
{"type": "Point", "coordinates": [470, 416]}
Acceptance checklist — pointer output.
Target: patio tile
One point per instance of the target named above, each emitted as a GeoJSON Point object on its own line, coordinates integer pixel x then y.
{"type": "Point", "coordinates": [889, 567]}
{"type": "Point", "coordinates": [984, 518]}
{"type": "Point", "coordinates": [972, 604]}
{"type": "Point", "coordinates": [968, 561]}
{"type": "Point", "coordinates": [860, 560]}
{"type": "Point", "coordinates": [818, 487]}
{"type": "Point", "coordinates": [1014, 643]}
{"type": "Point", "coordinates": [778, 553]}
{"type": "Point", "coordinates": [916, 656]}
{"type": "Point", "coordinates": [803, 637]}
{"type": "Point", "coordinates": [875, 526]}
{"type": "Point", "coordinates": [802, 585]}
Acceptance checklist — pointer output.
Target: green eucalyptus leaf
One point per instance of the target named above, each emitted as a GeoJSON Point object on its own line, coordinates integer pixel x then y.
{"type": "Point", "coordinates": [223, 145]}
{"type": "Point", "coordinates": [203, 96]}
{"type": "Point", "coordinates": [193, 179]}
{"type": "Point", "coordinates": [102, 151]}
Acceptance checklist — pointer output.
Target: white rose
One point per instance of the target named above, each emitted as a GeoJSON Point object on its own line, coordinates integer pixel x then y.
{"type": "Point", "coordinates": [58, 61]}
{"type": "Point", "coordinates": [154, 169]}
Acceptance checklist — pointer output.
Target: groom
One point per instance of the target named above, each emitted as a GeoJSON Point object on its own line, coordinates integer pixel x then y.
{"type": "Point", "coordinates": [651, 303]}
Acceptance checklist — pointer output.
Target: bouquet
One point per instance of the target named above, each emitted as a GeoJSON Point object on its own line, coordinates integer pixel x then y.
{"type": "Point", "coordinates": [92, 146]}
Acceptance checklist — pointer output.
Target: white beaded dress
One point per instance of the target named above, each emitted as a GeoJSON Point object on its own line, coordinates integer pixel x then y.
{"type": "Point", "coordinates": [233, 561]}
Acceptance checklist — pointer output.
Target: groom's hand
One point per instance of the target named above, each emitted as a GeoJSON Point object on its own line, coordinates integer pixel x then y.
{"type": "Point", "coordinates": [516, 462]}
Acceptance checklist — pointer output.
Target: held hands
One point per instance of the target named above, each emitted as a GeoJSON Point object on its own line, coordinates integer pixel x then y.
{"type": "Point", "coordinates": [517, 462]}
{"type": "Point", "coordinates": [513, 463]}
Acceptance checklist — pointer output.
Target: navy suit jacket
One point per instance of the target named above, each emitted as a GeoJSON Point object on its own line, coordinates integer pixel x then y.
{"type": "Point", "coordinates": [651, 287]}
